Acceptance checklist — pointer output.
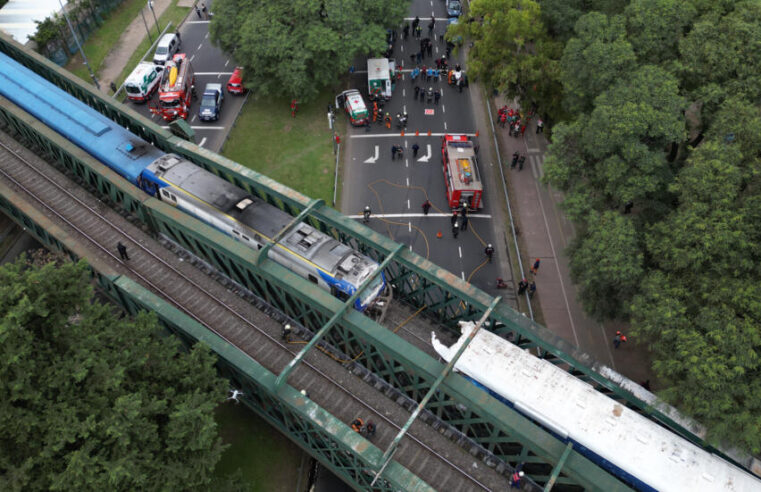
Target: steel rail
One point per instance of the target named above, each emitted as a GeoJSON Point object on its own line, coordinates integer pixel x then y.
{"type": "Point", "coordinates": [378, 413]}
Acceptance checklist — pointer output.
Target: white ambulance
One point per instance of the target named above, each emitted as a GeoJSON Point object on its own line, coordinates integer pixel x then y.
{"type": "Point", "coordinates": [143, 81]}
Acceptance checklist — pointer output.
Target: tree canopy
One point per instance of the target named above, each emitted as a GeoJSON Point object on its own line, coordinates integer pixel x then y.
{"type": "Point", "coordinates": [656, 144]}
{"type": "Point", "coordinates": [92, 401]}
{"type": "Point", "coordinates": [294, 48]}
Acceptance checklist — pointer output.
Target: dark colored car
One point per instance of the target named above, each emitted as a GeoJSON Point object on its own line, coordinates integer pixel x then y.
{"type": "Point", "coordinates": [235, 84]}
{"type": "Point", "coordinates": [211, 102]}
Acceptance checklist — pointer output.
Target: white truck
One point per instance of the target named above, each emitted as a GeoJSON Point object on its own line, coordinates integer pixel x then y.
{"type": "Point", "coordinates": [380, 78]}
{"type": "Point", "coordinates": [143, 81]}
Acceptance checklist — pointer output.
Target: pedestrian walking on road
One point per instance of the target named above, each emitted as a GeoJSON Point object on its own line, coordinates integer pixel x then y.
{"type": "Point", "coordinates": [426, 207]}
{"type": "Point", "coordinates": [489, 251]}
{"type": "Point", "coordinates": [619, 339]}
{"type": "Point", "coordinates": [406, 31]}
{"type": "Point", "coordinates": [464, 222]}
{"type": "Point", "coordinates": [286, 333]}
{"type": "Point", "coordinates": [415, 148]}
{"type": "Point", "coordinates": [431, 25]}
{"type": "Point", "coordinates": [540, 126]}
{"type": "Point", "coordinates": [535, 267]}
{"type": "Point", "coordinates": [531, 290]}
{"type": "Point", "coordinates": [520, 162]}
{"type": "Point", "coordinates": [393, 152]}
{"type": "Point", "coordinates": [417, 91]}
{"type": "Point", "coordinates": [522, 286]}
{"type": "Point", "coordinates": [205, 12]}
{"type": "Point", "coordinates": [370, 428]}
{"type": "Point", "coordinates": [198, 12]}
{"type": "Point", "coordinates": [122, 251]}
{"type": "Point", "coordinates": [515, 160]}
{"type": "Point", "coordinates": [415, 22]}
{"type": "Point", "coordinates": [455, 230]}
{"type": "Point", "coordinates": [366, 214]}
{"type": "Point", "coordinates": [436, 96]}
{"type": "Point", "coordinates": [429, 48]}
{"type": "Point", "coordinates": [454, 218]}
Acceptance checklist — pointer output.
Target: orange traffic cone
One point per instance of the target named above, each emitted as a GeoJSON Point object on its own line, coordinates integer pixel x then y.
{"type": "Point", "coordinates": [402, 133]}
{"type": "Point", "coordinates": [476, 132]}
{"type": "Point", "coordinates": [438, 235]}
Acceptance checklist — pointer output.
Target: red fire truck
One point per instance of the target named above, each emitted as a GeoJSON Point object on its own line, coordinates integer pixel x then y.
{"type": "Point", "coordinates": [463, 181]}
{"type": "Point", "coordinates": [176, 89]}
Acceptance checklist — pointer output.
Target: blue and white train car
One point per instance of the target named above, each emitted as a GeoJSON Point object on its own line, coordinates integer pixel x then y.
{"type": "Point", "coordinates": [304, 250]}
{"type": "Point", "coordinates": [640, 452]}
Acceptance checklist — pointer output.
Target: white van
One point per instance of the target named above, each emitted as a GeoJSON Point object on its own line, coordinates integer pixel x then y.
{"type": "Point", "coordinates": [168, 45]}
{"type": "Point", "coordinates": [143, 80]}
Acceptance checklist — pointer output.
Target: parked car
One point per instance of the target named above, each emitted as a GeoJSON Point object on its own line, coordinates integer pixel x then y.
{"type": "Point", "coordinates": [235, 84]}
{"type": "Point", "coordinates": [454, 8]}
{"type": "Point", "coordinates": [211, 102]}
{"type": "Point", "coordinates": [169, 44]}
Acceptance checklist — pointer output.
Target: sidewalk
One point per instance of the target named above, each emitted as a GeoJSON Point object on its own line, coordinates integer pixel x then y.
{"type": "Point", "coordinates": [129, 41]}
{"type": "Point", "coordinates": [544, 232]}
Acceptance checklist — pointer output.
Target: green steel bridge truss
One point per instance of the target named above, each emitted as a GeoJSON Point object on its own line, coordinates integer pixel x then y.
{"type": "Point", "coordinates": [441, 296]}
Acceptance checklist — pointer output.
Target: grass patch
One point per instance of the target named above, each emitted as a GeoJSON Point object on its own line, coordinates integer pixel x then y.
{"type": "Point", "coordinates": [173, 14]}
{"type": "Point", "coordinates": [297, 152]}
{"type": "Point", "coordinates": [267, 460]}
{"type": "Point", "coordinates": [100, 42]}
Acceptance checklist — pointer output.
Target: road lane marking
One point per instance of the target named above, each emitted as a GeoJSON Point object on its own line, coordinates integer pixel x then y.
{"type": "Point", "coordinates": [396, 135]}
{"type": "Point", "coordinates": [408, 204]}
{"type": "Point", "coordinates": [197, 22]}
{"type": "Point", "coordinates": [443, 109]}
{"type": "Point", "coordinates": [415, 215]}
{"type": "Point", "coordinates": [227, 62]}
{"type": "Point", "coordinates": [427, 156]}
{"type": "Point", "coordinates": [459, 249]}
{"type": "Point", "coordinates": [409, 226]}
{"type": "Point", "coordinates": [193, 119]}
{"type": "Point", "coordinates": [371, 160]}
{"type": "Point", "coordinates": [214, 73]}
{"type": "Point", "coordinates": [200, 127]}
{"type": "Point", "coordinates": [203, 141]}
{"type": "Point", "coordinates": [445, 125]}
{"type": "Point", "coordinates": [191, 58]}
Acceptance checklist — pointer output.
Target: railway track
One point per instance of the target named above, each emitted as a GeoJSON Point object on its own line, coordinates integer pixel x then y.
{"type": "Point", "coordinates": [424, 451]}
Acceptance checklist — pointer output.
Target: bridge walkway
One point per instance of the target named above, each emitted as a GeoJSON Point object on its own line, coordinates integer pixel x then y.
{"type": "Point", "coordinates": [426, 452]}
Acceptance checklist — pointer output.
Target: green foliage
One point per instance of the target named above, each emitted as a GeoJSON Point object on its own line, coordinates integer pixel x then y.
{"type": "Point", "coordinates": [511, 50]}
{"type": "Point", "coordinates": [655, 27]}
{"type": "Point", "coordinates": [607, 263]}
{"type": "Point", "coordinates": [594, 59]}
{"type": "Point", "coordinates": [295, 48]}
{"type": "Point", "coordinates": [720, 56]}
{"type": "Point", "coordinates": [684, 266]}
{"type": "Point", "coordinates": [617, 153]}
{"type": "Point", "coordinates": [561, 15]}
{"type": "Point", "coordinates": [701, 308]}
{"type": "Point", "coordinates": [89, 401]}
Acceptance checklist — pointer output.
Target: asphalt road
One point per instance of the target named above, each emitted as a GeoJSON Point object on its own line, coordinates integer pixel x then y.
{"type": "Point", "coordinates": [211, 65]}
{"type": "Point", "coordinates": [396, 189]}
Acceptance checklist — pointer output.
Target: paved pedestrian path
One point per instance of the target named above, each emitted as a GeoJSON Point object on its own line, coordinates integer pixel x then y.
{"type": "Point", "coordinates": [545, 233]}
{"type": "Point", "coordinates": [129, 41]}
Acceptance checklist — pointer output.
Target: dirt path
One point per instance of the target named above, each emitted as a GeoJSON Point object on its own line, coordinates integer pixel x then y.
{"type": "Point", "coordinates": [130, 39]}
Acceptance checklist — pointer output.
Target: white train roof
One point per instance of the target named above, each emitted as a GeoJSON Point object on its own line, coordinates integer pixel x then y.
{"type": "Point", "coordinates": [573, 408]}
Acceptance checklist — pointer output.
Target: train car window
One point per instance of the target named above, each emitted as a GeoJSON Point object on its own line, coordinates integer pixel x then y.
{"type": "Point", "coordinates": [245, 237]}
{"type": "Point", "coordinates": [236, 232]}
{"type": "Point", "coordinates": [313, 279]}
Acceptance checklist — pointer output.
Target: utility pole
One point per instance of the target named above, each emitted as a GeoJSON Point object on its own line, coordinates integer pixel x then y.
{"type": "Point", "coordinates": [150, 6]}
{"type": "Point", "coordinates": [146, 25]}
{"type": "Point", "coordinates": [76, 39]}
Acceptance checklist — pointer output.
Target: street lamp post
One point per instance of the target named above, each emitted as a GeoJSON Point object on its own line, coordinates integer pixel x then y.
{"type": "Point", "coordinates": [76, 39]}
{"type": "Point", "coordinates": [150, 6]}
{"type": "Point", "coordinates": [146, 25]}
